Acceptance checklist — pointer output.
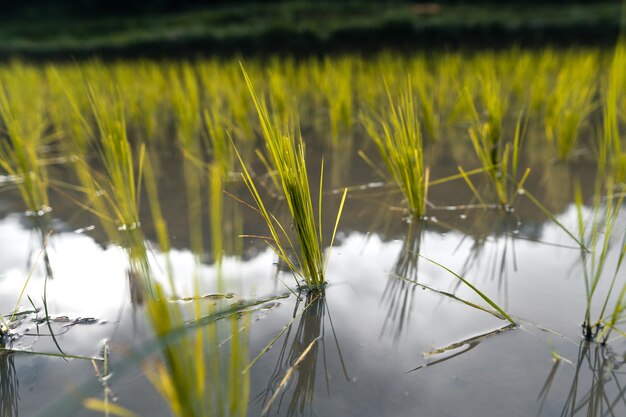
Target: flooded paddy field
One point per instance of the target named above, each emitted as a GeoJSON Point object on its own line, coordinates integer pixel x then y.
{"type": "Point", "coordinates": [139, 275]}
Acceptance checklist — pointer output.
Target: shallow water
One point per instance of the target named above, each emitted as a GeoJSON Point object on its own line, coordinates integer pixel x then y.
{"type": "Point", "coordinates": [380, 342]}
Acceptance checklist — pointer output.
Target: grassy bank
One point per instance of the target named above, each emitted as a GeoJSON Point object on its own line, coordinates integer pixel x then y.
{"type": "Point", "coordinates": [303, 27]}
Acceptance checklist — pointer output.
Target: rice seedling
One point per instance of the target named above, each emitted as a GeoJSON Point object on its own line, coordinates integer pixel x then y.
{"type": "Point", "coordinates": [500, 160]}
{"type": "Point", "coordinates": [335, 82]}
{"type": "Point", "coordinates": [538, 96]}
{"type": "Point", "coordinates": [112, 195]}
{"type": "Point", "coordinates": [598, 233]}
{"type": "Point", "coordinates": [200, 373]}
{"type": "Point", "coordinates": [399, 141]}
{"type": "Point", "coordinates": [117, 158]}
{"type": "Point", "coordinates": [284, 103]}
{"type": "Point", "coordinates": [611, 156]}
{"type": "Point", "coordinates": [497, 310]}
{"type": "Point", "coordinates": [287, 157]}
{"type": "Point", "coordinates": [69, 109]}
{"type": "Point", "coordinates": [428, 100]}
{"type": "Point", "coordinates": [494, 98]}
{"type": "Point", "coordinates": [220, 168]}
{"type": "Point", "coordinates": [144, 101]}
{"type": "Point", "coordinates": [22, 157]}
{"type": "Point", "coordinates": [160, 226]}
{"type": "Point", "coordinates": [568, 108]}
{"type": "Point", "coordinates": [224, 90]}
{"type": "Point", "coordinates": [185, 100]}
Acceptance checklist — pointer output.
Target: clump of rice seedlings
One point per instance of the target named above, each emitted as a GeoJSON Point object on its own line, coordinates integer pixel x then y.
{"type": "Point", "coordinates": [568, 108]}
{"type": "Point", "coordinates": [201, 372]}
{"type": "Point", "coordinates": [611, 156]}
{"type": "Point", "coordinates": [219, 170]}
{"type": "Point", "coordinates": [69, 109]}
{"type": "Point", "coordinates": [494, 98]}
{"type": "Point", "coordinates": [286, 157]}
{"type": "Point", "coordinates": [185, 100]}
{"type": "Point", "coordinates": [335, 81]}
{"type": "Point", "coordinates": [216, 192]}
{"type": "Point", "coordinates": [437, 91]}
{"type": "Point", "coordinates": [113, 194]}
{"type": "Point", "coordinates": [144, 101]}
{"type": "Point", "coordinates": [598, 234]}
{"type": "Point", "coordinates": [22, 156]}
{"type": "Point", "coordinates": [538, 94]}
{"type": "Point", "coordinates": [218, 142]}
{"type": "Point", "coordinates": [160, 226]}
{"type": "Point", "coordinates": [499, 159]}
{"type": "Point", "coordinates": [222, 87]}
{"type": "Point", "coordinates": [398, 139]}
{"type": "Point", "coordinates": [117, 158]}
{"type": "Point", "coordinates": [284, 103]}
{"type": "Point", "coordinates": [431, 97]}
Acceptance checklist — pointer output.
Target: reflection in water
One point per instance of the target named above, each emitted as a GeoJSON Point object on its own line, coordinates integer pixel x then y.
{"type": "Point", "coordinates": [40, 223]}
{"type": "Point", "coordinates": [399, 292]}
{"type": "Point", "coordinates": [104, 375]}
{"type": "Point", "coordinates": [299, 355]}
{"type": "Point", "coordinates": [9, 385]}
{"type": "Point", "coordinates": [493, 249]}
{"type": "Point", "coordinates": [596, 389]}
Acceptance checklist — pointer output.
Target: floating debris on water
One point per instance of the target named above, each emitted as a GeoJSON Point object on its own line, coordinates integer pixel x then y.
{"type": "Point", "coordinates": [215, 296]}
{"type": "Point", "coordinates": [132, 226]}
{"type": "Point", "coordinates": [10, 179]}
{"type": "Point", "coordinates": [67, 320]}
{"type": "Point", "coordinates": [39, 213]}
{"type": "Point", "coordinates": [84, 229]}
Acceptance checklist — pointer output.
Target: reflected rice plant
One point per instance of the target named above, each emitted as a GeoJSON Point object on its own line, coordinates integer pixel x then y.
{"type": "Point", "coordinates": [595, 389]}
{"type": "Point", "coordinates": [9, 385]}
{"type": "Point", "coordinates": [298, 359]}
{"type": "Point", "coordinates": [492, 252]}
{"type": "Point", "coordinates": [399, 293]}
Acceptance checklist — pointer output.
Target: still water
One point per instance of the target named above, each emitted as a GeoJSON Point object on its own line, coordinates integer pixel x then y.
{"type": "Point", "coordinates": [381, 342]}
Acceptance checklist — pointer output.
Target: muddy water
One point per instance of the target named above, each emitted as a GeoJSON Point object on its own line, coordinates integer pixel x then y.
{"type": "Point", "coordinates": [381, 342]}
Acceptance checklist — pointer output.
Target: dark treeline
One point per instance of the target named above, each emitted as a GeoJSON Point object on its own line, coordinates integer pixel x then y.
{"type": "Point", "coordinates": [75, 8]}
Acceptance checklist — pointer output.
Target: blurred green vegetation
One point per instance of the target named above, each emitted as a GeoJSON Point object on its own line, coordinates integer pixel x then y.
{"type": "Point", "coordinates": [165, 27]}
